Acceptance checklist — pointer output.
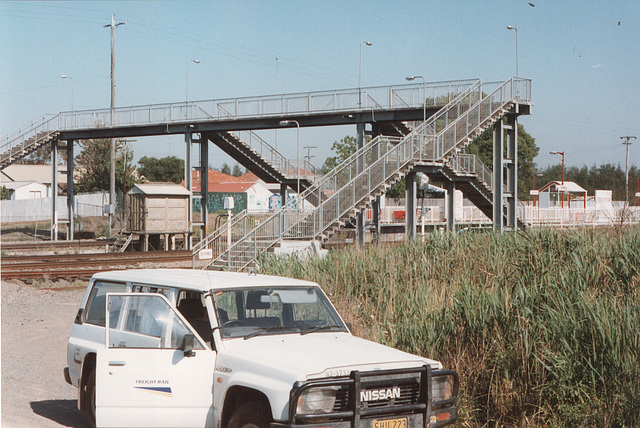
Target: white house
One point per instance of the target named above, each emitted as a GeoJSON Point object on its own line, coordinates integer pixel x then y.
{"type": "Point", "coordinates": [16, 176]}
{"type": "Point", "coordinates": [257, 194]}
{"type": "Point", "coordinates": [26, 190]}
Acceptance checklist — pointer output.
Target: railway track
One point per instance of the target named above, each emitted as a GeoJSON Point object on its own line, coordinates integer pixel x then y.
{"type": "Point", "coordinates": [39, 246]}
{"type": "Point", "coordinates": [85, 265]}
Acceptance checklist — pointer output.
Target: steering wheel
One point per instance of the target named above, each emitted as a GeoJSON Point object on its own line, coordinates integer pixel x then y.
{"type": "Point", "coordinates": [231, 323]}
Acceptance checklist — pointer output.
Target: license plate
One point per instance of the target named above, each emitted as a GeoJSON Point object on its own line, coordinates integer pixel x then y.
{"type": "Point", "coordinates": [390, 423]}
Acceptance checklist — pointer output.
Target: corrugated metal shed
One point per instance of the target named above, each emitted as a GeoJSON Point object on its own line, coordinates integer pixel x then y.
{"type": "Point", "coordinates": [158, 208]}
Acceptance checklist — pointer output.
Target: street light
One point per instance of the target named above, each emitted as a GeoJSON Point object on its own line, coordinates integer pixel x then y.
{"type": "Point", "coordinates": [424, 94]}
{"type": "Point", "coordinates": [291, 122]}
{"type": "Point", "coordinates": [195, 61]}
{"type": "Point", "coordinates": [64, 76]}
{"type": "Point", "coordinates": [360, 73]}
{"type": "Point", "coordinates": [511, 27]}
{"type": "Point", "coordinates": [562, 154]}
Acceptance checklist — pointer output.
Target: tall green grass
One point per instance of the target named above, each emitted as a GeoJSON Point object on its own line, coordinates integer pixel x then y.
{"type": "Point", "coordinates": [543, 327]}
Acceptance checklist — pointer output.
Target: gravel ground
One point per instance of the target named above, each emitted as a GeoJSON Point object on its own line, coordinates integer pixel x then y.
{"type": "Point", "coordinates": [36, 323]}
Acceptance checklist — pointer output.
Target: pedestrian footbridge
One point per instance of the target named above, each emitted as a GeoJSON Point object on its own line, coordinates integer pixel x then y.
{"type": "Point", "coordinates": [414, 128]}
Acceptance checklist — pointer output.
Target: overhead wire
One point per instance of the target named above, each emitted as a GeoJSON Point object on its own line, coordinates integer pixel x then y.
{"type": "Point", "coordinates": [265, 58]}
{"type": "Point", "coordinates": [180, 37]}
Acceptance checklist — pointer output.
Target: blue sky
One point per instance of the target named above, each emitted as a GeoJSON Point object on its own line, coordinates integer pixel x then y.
{"type": "Point", "coordinates": [583, 58]}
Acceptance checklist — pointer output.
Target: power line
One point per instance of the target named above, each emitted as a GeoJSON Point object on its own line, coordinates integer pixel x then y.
{"type": "Point", "coordinates": [34, 88]}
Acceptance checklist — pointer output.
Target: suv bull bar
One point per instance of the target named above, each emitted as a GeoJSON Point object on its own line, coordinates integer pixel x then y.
{"type": "Point", "coordinates": [425, 412]}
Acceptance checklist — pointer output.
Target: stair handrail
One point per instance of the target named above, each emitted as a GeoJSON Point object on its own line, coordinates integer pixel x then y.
{"type": "Point", "coordinates": [30, 130]}
{"type": "Point", "coordinates": [410, 148]}
{"type": "Point", "coordinates": [439, 140]}
{"type": "Point", "coordinates": [506, 92]}
{"type": "Point", "coordinates": [471, 164]}
{"type": "Point", "coordinates": [367, 147]}
{"type": "Point", "coordinates": [279, 161]}
{"type": "Point", "coordinates": [222, 230]}
{"type": "Point", "coordinates": [358, 156]}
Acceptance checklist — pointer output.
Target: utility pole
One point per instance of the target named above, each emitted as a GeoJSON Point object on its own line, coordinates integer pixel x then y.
{"type": "Point", "coordinates": [112, 187]}
{"type": "Point", "coordinates": [626, 174]}
{"type": "Point", "coordinates": [308, 156]}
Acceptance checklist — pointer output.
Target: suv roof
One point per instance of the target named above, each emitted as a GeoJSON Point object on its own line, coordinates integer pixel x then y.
{"type": "Point", "coordinates": [198, 280]}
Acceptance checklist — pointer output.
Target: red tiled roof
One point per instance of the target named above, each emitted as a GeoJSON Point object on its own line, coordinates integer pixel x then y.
{"type": "Point", "coordinates": [229, 187]}
{"type": "Point", "coordinates": [217, 177]}
{"type": "Point", "coordinates": [248, 177]}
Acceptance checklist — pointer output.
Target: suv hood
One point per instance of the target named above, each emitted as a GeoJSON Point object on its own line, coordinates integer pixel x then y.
{"type": "Point", "coordinates": [321, 354]}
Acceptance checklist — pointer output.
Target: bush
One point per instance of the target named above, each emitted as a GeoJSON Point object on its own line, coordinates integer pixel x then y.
{"type": "Point", "coordinates": [543, 327]}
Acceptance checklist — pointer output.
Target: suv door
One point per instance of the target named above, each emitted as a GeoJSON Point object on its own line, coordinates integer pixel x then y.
{"type": "Point", "coordinates": [144, 376]}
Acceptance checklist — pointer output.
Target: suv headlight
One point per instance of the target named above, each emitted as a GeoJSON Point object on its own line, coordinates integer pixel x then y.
{"type": "Point", "coordinates": [442, 388]}
{"type": "Point", "coordinates": [317, 400]}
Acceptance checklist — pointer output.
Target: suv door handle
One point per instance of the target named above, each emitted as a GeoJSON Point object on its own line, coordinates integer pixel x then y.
{"type": "Point", "coordinates": [117, 363]}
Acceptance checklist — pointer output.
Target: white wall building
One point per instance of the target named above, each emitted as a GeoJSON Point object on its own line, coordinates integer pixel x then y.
{"type": "Point", "coordinates": [26, 190]}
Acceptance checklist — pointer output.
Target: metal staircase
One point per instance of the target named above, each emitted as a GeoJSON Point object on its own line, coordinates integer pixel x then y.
{"type": "Point", "coordinates": [262, 159]}
{"type": "Point", "coordinates": [369, 172]}
{"type": "Point", "coordinates": [474, 179]}
{"type": "Point", "coordinates": [29, 145]}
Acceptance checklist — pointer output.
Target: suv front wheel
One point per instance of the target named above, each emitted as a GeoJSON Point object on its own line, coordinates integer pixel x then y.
{"type": "Point", "coordinates": [252, 414]}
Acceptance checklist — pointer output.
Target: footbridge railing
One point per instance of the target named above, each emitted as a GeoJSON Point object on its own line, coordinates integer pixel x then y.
{"type": "Point", "coordinates": [347, 100]}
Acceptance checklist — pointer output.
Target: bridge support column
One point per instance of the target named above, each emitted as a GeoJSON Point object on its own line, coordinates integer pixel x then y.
{"type": "Point", "coordinates": [360, 230]}
{"type": "Point", "coordinates": [375, 204]}
{"type": "Point", "coordinates": [70, 191]}
{"type": "Point", "coordinates": [204, 183]}
{"type": "Point", "coordinates": [188, 182]}
{"type": "Point", "coordinates": [450, 187]}
{"type": "Point", "coordinates": [511, 166]}
{"type": "Point", "coordinates": [411, 204]}
{"type": "Point", "coordinates": [498, 177]}
{"type": "Point", "coordinates": [54, 190]}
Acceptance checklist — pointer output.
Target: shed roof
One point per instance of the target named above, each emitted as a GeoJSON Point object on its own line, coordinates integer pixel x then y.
{"type": "Point", "coordinates": [159, 189]}
{"type": "Point", "coordinates": [567, 186]}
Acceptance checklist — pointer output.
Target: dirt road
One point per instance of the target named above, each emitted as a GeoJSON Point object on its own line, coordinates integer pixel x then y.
{"type": "Point", "coordinates": [36, 323]}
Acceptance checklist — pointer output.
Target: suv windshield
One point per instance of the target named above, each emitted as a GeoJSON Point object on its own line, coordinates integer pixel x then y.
{"type": "Point", "coordinates": [253, 312]}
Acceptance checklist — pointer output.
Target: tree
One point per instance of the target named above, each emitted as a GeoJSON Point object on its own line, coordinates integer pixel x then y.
{"type": "Point", "coordinates": [225, 169]}
{"type": "Point", "coordinates": [4, 193]}
{"type": "Point", "coordinates": [604, 177]}
{"type": "Point", "coordinates": [343, 149]}
{"type": "Point", "coordinates": [527, 151]}
{"type": "Point", "coordinates": [94, 163]}
{"type": "Point", "coordinates": [41, 156]}
{"type": "Point", "coordinates": [237, 171]}
{"type": "Point", "coordinates": [167, 169]}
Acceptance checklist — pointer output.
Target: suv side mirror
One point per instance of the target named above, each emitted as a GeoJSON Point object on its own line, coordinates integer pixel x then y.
{"type": "Point", "coordinates": [349, 326]}
{"type": "Point", "coordinates": [188, 342]}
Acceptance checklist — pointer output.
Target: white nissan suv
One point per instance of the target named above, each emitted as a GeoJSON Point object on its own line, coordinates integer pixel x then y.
{"type": "Point", "coordinates": [190, 348]}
